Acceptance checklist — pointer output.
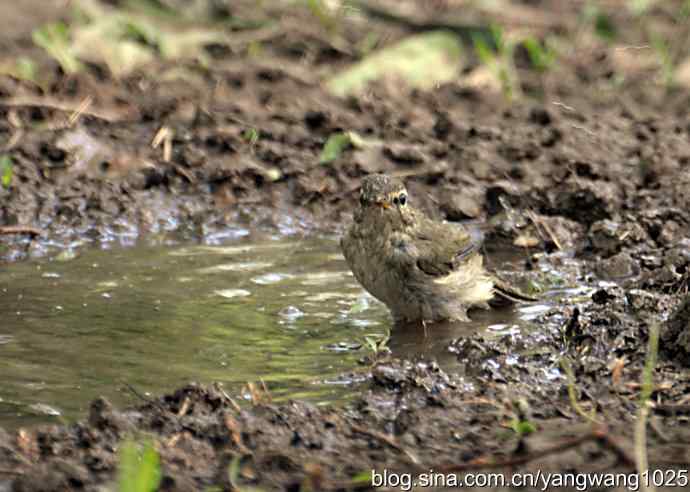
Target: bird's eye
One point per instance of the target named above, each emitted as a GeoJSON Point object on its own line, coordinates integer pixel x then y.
{"type": "Point", "coordinates": [395, 200]}
{"type": "Point", "coordinates": [402, 199]}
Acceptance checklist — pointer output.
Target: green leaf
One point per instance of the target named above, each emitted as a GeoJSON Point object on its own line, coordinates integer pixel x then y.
{"type": "Point", "coordinates": [139, 468]}
{"type": "Point", "coordinates": [335, 145]}
{"type": "Point", "coordinates": [149, 472]}
{"type": "Point", "coordinates": [498, 38]}
{"type": "Point", "coordinates": [522, 427]}
{"type": "Point", "coordinates": [234, 470]}
{"type": "Point", "coordinates": [362, 478]}
{"type": "Point", "coordinates": [251, 135]}
{"type": "Point", "coordinates": [372, 343]}
{"type": "Point", "coordinates": [423, 61]}
{"type": "Point", "coordinates": [376, 342]}
{"type": "Point", "coordinates": [361, 305]}
{"type": "Point", "coordinates": [6, 170]}
{"type": "Point", "coordinates": [482, 49]}
{"type": "Point", "coordinates": [604, 27]}
{"type": "Point", "coordinates": [55, 39]}
{"type": "Point", "coordinates": [541, 56]}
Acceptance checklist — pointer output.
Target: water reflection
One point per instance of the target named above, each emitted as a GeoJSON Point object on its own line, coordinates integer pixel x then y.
{"type": "Point", "coordinates": [285, 311]}
{"type": "Point", "coordinates": [412, 340]}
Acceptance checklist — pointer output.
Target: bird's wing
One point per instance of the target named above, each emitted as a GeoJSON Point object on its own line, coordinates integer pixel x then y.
{"type": "Point", "coordinates": [442, 248]}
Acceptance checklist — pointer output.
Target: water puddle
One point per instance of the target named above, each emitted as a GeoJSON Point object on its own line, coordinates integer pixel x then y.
{"type": "Point", "coordinates": [285, 311]}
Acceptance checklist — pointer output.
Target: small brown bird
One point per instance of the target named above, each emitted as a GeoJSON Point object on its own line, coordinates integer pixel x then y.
{"type": "Point", "coordinates": [423, 270]}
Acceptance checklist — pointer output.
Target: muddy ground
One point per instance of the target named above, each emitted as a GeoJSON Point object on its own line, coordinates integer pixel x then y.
{"type": "Point", "coordinates": [587, 172]}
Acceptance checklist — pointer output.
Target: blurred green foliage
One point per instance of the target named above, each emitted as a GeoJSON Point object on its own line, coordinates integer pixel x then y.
{"type": "Point", "coordinates": [139, 469]}
{"type": "Point", "coordinates": [667, 66]}
{"type": "Point", "coordinates": [685, 10]}
{"type": "Point", "coordinates": [522, 427]}
{"type": "Point", "coordinates": [334, 147]}
{"type": "Point", "coordinates": [125, 39]}
{"type": "Point", "coordinates": [55, 39]}
{"type": "Point", "coordinates": [323, 14]}
{"type": "Point", "coordinates": [497, 55]}
{"type": "Point", "coordinates": [541, 55]}
{"type": "Point", "coordinates": [601, 23]}
{"type": "Point", "coordinates": [422, 60]}
{"type": "Point", "coordinates": [6, 170]}
{"type": "Point", "coordinates": [251, 136]}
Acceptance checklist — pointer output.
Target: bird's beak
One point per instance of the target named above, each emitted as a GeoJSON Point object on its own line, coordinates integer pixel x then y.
{"type": "Point", "coordinates": [384, 205]}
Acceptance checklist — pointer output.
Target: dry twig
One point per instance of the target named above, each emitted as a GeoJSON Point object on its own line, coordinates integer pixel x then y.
{"type": "Point", "coordinates": [74, 108]}
{"type": "Point", "coordinates": [20, 229]}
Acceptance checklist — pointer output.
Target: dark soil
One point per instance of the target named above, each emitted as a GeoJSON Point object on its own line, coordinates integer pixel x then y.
{"type": "Point", "coordinates": [590, 170]}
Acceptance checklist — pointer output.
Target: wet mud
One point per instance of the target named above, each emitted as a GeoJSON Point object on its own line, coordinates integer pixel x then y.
{"type": "Point", "coordinates": [586, 176]}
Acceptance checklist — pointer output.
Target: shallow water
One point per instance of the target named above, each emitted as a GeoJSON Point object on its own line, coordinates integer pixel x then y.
{"type": "Point", "coordinates": [285, 311]}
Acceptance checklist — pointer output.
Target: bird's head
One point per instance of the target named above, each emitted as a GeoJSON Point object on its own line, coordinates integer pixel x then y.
{"type": "Point", "coordinates": [383, 192]}
{"type": "Point", "coordinates": [383, 198]}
